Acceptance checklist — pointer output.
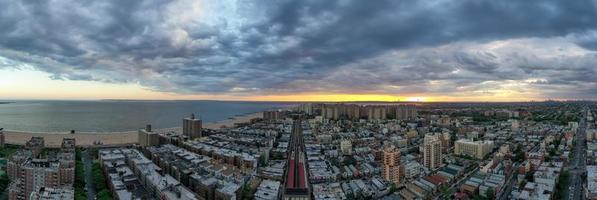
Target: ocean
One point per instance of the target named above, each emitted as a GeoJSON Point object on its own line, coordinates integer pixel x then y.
{"type": "Point", "coordinates": [117, 115]}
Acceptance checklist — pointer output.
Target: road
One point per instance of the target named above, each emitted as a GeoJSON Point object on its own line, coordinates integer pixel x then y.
{"type": "Point", "coordinates": [88, 163]}
{"type": "Point", "coordinates": [578, 166]}
{"type": "Point", "coordinates": [505, 194]}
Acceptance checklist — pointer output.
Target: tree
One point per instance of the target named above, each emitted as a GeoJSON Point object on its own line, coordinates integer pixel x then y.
{"type": "Point", "coordinates": [529, 176]}
{"type": "Point", "coordinates": [522, 184]}
{"type": "Point", "coordinates": [562, 185]}
{"type": "Point", "coordinates": [4, 182]}
{"type": "Point", "coordinates": [248, 192]}
{"type": "Point", "coordinates": [453, 137]}
{"type": "Point", "coordinates": [334, 161]}
{"type": "Point", "coordinates": [446, 191]}
{"type": "Point", "coordinates": [80, 194]}
{"type": "Point", "coordinates": [104, 195]}
{"type": "Point", "coordinates": [393, 188]}
{"type": "Point", "coordinates": [519, 154]}
{"type": "Point", "coordinates": [552, 152]}
{"type": "Point", "coordinates": [79, 177]}
{"type": "Point", "coordinates": [262, 160]}
{"type": "Point", "coordinates": [349, 160]}
{"type": "Point", "coordinates": [98, 177]}
{"type": "Point", "coordinates": [490, 194]}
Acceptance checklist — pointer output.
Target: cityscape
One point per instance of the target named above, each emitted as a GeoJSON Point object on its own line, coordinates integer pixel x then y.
{"type": "Point", "coordinates": [324, 151]}
{"type": "Point", "coordinates": [298, 100]}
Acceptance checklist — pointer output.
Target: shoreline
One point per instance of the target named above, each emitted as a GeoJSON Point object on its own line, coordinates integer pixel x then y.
{"type": "Point", "coordinates": [116, 138]}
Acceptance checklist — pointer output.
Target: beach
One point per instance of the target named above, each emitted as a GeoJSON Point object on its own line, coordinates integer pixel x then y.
{"type": "Point", "coordinates": [83, 139]}
{"type": "Point", "coordinates": [232, 121]}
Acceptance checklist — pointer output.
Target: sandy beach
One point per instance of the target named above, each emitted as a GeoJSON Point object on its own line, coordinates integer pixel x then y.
{"type": "Point", "coordinates": [231, 122]}
{"type": "Point", "coordinates": [109, 138]}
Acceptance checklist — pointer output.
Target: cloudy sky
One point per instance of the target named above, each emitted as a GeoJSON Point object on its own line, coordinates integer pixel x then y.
{"type": "Point", "coordinates": [432, 50]}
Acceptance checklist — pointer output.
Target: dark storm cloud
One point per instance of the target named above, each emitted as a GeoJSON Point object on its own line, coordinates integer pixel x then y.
{"type": "Point", "coordinates": [297, 46]}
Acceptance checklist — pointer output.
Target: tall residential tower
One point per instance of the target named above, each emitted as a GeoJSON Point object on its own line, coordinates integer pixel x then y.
{"type": "Point", "coordinates": [432, 152]}
{"type": "Point", "coordinates": [191, 127]}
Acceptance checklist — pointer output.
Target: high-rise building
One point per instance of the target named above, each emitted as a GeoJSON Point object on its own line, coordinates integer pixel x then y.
{"type": "Point", "coordinates": [353, 112]}
{"type": "Point", "coordinates": [370, 112]}
{"type": "Point", "coordinates": [191, 127]}
{"type": "Point", "coordinates": [515, 125]}
{"type": "Point", "coordinates": [1, 137]}
{"type": "Point", "coordinates": [307, 108]}
{"type": "Point", "coordinates": [274, 115]}
{"type": "Point", "coordinates": [147, 137]}
{"type": "Point", "coordinates": [475, 149]}
{"type": "Point", "coordinates": [406, 112]}
{"type": "Point", "coordinates": [432, 152]}
{"type": "Point", "coordinates": [377, 112]}
{"type": "Point", "coordinates": [391, 164]}
{"type": "Point", "coordinates": [445, 140]}
{"type": "Point", "coordinates": [31, 174]}
{"type": "Point", "coordinates": [331, 111]}
{"type": "Point", "coordinates": [346, 147]}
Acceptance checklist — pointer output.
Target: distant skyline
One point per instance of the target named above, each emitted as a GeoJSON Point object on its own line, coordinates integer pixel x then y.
{"type": "Point", "coordinates": [436, 50]}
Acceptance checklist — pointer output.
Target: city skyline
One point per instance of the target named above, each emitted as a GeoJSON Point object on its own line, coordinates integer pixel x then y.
{"type": "Point", "coordinates": [431, 51]}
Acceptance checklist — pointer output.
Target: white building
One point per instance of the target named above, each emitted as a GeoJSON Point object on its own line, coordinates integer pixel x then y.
{"type": "Point", "coordinates": [412, 169]}
{"type": "Point", "coordinates": [346, 147]}
{"type": "Point", "coordinates": [476, 149]}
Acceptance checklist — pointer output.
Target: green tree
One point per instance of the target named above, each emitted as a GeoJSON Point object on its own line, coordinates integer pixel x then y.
{"type": "Point", "coordinates": [248, 192]}
{"type": "Point", "coordinates": [263, 160]}
{"type": "Point", "coordinates": [519, 156]}
{"type": "Point", "coordinates": [104, 195]}
{"type": "Point", "coordinates": [4, 182]}
{"type": "Point", "coordinates": [552, 152]}
{"type": "Point", "coordinates": [529, 176]}
{"type": "Point", "coordinates": [349, 160]}
{"type": "Point", "coordinates": [490, 194]}
{"type": "Point", "coordinates": [393, 188]}
{"type": "Point", "coordinates": [562, 185]}
{"type": "Point", "coordinates": [445, 191]}
{"type": "Point", "coordinates": [79, 177]}
{"type": "Point", "coordinates": [98, 177]}
{"type": "Point", "coordinates": [522, 183]}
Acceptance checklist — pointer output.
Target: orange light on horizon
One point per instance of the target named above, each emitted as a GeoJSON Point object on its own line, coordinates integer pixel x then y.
{"type": "Point", "coordinates": [341, 98]}
{"type": "Point", "coordinates": [31, 84]}
{"type": "Point", "coordinates": [416, 99]}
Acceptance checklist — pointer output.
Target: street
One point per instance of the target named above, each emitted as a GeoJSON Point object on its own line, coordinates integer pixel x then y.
{"type": "Point", "coordinates": [505, 194]}
{"type": "Point", "coordinates": [87, 162]}
{"type": "Point", "coordinates": [578, 166]}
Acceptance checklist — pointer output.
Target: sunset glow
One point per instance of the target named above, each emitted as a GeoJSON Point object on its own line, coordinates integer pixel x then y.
{"type": "Point", "coordinates": [230, 50]}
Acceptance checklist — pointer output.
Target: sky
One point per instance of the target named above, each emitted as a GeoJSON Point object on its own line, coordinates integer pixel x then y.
{"type": "Point", "coordinates": [308, 50]}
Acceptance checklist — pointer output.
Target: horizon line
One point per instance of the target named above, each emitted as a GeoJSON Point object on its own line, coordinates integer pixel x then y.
{"type": "Point", "coordinates": [305, 101]}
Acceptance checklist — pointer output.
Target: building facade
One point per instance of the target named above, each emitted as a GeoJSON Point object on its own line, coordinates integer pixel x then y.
{"type": "Point", "coordinates": [148, 138]}
{"type": "Point", "coordinates": [191, 127]}
{"type": "Point", "coordinates": [31, 174]}
{"type": "Point", "coordinates": [391, 165]}
{"type": "Point", "coordinates": [406, 112]}
{"type": "Point", "coordinates": [346, 147]}
{"type": "Point", "coordinates": [432, 152]}
{"type": "Point", "coordinates": [475, 149]}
